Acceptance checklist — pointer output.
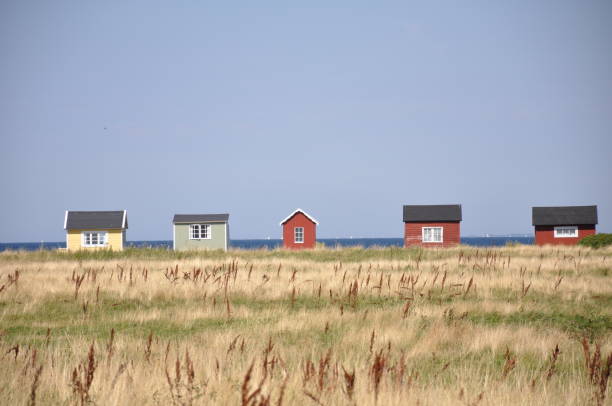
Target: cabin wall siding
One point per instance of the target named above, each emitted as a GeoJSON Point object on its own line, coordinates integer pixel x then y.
{"type": "Point", "coordinates": [546, 235]}
{"type": "Point", "coordinates": [115, 240]}
{"type": "Point", "coordinates": [216, 242]}
{"type": "Point", "coordinates": [310, 232]}
{"type": "Point", "coordinates": [413, 234]}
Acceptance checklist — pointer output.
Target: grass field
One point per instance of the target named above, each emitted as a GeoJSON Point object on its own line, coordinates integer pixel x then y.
{"type": "Point", "coordinates": [466, 326]}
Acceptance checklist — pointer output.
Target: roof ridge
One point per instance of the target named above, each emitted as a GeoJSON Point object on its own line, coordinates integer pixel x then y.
{"type": "Point", "coordinates": [296, 211]}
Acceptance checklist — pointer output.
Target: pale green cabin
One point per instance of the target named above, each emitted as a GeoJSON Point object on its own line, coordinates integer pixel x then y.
{"type": "Point", "coordinates": [200, 232]}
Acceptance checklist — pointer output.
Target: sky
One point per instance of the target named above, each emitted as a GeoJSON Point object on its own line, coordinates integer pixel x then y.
{"type": "Point", "coordinates": [348, 110]}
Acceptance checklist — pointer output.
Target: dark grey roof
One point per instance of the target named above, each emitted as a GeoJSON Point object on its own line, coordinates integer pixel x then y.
{"type": "Point", "coordinates": [79, 220]}
{"type": "Point", "coordinates": [564, 216]}
{"type": "Point", "coordinates": [200, 218]}
{"type": "Point", "coordinates": [446, 212]}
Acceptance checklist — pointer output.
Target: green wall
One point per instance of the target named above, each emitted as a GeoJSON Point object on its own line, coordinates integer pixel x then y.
{"type": "Point", "coordinates": [217, 241]}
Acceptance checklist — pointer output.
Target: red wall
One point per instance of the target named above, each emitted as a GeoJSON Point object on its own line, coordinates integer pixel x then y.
{"type": "Point", "coordinates": [310, 232]}
{"type": "Point", "coordinates": [413, 234]}
{"type": "Point", "coordinates": [546, 235]}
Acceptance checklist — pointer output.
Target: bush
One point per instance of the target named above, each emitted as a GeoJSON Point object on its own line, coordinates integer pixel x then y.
{"type": "Point", "coordinates": [596, 240]}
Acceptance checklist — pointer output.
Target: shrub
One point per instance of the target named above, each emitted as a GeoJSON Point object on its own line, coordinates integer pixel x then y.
{"type": "Point", "coordinates": [596, 240]}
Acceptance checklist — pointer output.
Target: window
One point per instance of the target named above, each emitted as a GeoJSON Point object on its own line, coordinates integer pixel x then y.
{"type": "Point", "coordinates": [566, 232]}
{"type": "Point", "coordinates": [432, 234]}
{"type": "Point", "coordinates": [94, 238]}
{"type": "Point", "coordinates": [199, 231]}
{"type": "Point", "coordinates": [299, 235]}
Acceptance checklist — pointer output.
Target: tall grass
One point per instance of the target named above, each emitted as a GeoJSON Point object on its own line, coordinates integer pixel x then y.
{"type": "Point", "coordinates": [510, 325]}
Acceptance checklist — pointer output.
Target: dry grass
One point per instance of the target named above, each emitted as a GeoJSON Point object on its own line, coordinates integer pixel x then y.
{"type": "Point", "coordinates": [503, 326]}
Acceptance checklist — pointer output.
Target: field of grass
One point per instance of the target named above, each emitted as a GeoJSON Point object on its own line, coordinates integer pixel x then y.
{"type": "Point", "coordinates": [466, 326]}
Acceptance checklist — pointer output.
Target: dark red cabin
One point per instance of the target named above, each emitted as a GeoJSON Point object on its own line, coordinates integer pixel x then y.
{"type": "Point", "coordinates": [299, 230]}
{"type": "Point", "coordinates": [563, 225]}
{"type": "Point", "coordinates": [432, 225]}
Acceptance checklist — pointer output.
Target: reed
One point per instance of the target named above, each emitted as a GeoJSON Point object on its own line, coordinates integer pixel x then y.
{"type": "Point", "coordinates": [83, 376]}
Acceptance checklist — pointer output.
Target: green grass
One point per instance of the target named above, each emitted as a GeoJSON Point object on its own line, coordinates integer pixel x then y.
{"type": "Point", "coordinates": [591, 325]}
{"type": "Point", "coordinates": [66, 316]}
{"type": "Point", "coordinates": [330, 254]}
{"type": "Point", "coordinates": [349, 254]}
{"type": "Point", "coordinates": [96, 329]}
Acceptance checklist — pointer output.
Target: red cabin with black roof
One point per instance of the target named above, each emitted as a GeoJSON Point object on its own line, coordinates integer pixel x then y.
{"type": "Point", "coordinates": [563, 225]}
{"type": "Point", "coordinates": [299, 230]}
{"type": "Point", "coordinates": [432, 225]}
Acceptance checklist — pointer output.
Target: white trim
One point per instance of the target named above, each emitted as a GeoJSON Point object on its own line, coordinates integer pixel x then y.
{"type": "Point", "coordinates": [299, 211]}
{"type": "Point", "coordinates": [65, 219]}
{"type": "Point", "coordinates": [573, 228]}
{"type": "Point", "coordinates": [124, 219]}
{"type": "Point", "coordinates": [173, 237]}
{"type": "Point", "coordinates": [432, 234]}
{"type": "Point", "coordinates": [295, 235]}
{"type": "Point", "coordinates": [226, 237]}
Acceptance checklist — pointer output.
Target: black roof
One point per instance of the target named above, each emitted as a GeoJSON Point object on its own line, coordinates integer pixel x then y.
{"type": "Point", "coordinates": [447, 212]}
{"type": "Point", "coordinates": [200, 218]}
{"type": "Point", "coordinates": [564, 216]}
{"type": "Point", "coordinates": [79, 220]}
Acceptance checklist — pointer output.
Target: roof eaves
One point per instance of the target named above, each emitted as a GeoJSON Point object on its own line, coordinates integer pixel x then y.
{"type": "Point", "coordinates": [202, 221]}
{"type": "Point", "coordinates": [221, 218]}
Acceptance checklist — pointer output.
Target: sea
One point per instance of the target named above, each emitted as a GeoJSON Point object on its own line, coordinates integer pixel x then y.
{"type": "Point", "coordinates": [271, 244]}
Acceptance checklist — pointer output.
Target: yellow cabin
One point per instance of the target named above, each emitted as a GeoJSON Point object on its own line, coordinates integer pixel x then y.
{"type": "Point", "coordinates": [87, 230]}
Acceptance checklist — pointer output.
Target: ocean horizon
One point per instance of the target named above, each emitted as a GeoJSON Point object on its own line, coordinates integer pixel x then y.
{"type": "Point", "coordinates": [490, 241]}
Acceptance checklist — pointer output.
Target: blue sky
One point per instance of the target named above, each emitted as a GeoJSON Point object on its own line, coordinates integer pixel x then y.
{"type": "Point", "coordinates": [348, 111]}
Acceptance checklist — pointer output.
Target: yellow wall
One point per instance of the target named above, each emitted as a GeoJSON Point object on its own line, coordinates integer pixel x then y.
{"type": "Point", "coordinates": [115, 240]}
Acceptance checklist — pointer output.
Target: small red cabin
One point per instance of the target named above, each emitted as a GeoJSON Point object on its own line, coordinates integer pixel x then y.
{"type": "Point", "coordinates": [432, 225]}
{"type": "Point", "coordinates": [299, 230]}
{"type": "Point", "coordinates": [563, 225]}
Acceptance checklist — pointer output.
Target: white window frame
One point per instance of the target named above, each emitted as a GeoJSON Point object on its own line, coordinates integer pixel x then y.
{"type": "Point", "coordinates": [202, 230]}
{"type": "Point", "coordinates": [88, 242]}
{"type": "Point", "coordinates": [432, 234]}
{"type": "Point", "coordinates": [295, 235]}
{"type": "Point", "coordinates": [561, 232]}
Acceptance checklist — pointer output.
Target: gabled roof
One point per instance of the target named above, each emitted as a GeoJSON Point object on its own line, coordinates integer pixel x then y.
{"type": "Point", "coordinates": [299, 211]}
{"type": "Point", "coordinates": [80, 220]}
{"type": "Point", "coordinates": [564, 215]}
{"type": "Point", "coordinates": [448, 212]}
{"type": "Point", "coordinates": [200, 218]}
